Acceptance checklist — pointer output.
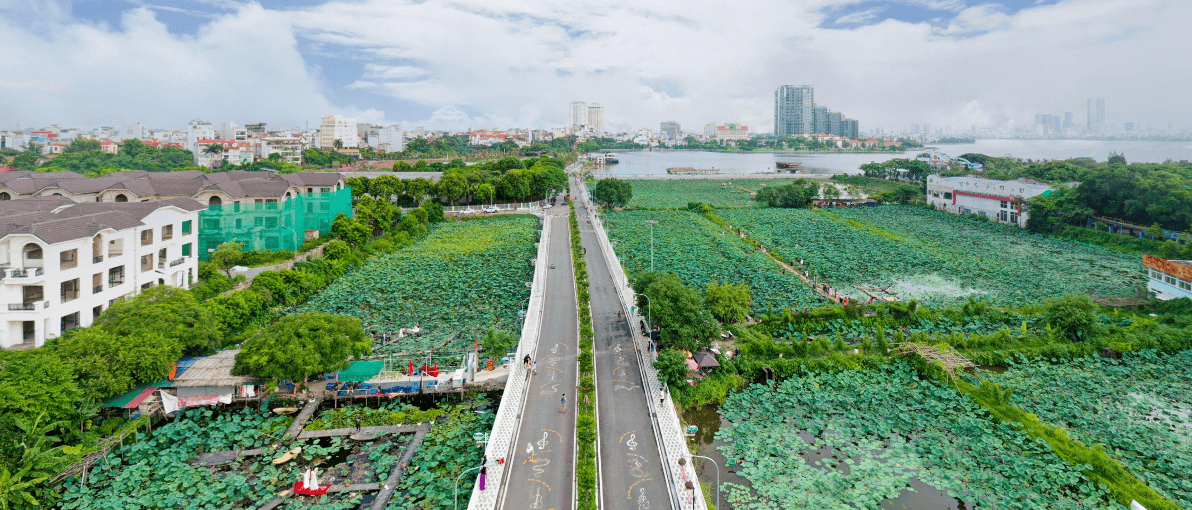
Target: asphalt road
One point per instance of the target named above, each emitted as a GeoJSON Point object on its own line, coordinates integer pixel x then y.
{"type": "Point", "coordinates": [630, 464]}
{"type": "Point", "coordinates": [543, 463]}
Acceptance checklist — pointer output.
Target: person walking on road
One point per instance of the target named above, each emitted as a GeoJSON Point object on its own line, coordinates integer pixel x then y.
{"type": "Point", "coordinates": [563, 404]}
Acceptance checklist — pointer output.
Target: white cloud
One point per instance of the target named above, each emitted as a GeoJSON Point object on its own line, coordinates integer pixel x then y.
{"type": "Point", "coordinates": [482, 64]}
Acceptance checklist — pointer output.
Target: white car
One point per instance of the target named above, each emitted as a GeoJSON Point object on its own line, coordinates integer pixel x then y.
{"type": "Point", "coordinates": [547, 206]}
{"type": "Point", "coordinates": [490, 209]}
{"type": "Point", "coordinates": [468, 211]}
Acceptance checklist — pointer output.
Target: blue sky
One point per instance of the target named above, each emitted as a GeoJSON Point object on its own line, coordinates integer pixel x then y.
{"type": "Point", "coordinates": [475, 63]}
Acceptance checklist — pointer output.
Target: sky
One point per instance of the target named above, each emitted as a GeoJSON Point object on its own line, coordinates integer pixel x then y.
{"type": "Point", "coordinates": [462, 64]}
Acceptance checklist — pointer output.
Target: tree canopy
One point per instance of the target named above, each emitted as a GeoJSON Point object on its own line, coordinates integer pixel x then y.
{"type": "Point", "coordinates": [170, 312]}
{"type": "Point", "coordinates": [300, 346]}
{"type": "Point", "coordinates": [677, 309]}
{"type": "Point", "coordinates": [612, 192]}
{"type": "Point", "coordinates": [797, 194]}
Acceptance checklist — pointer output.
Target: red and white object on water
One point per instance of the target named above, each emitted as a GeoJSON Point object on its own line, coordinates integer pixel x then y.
{"type": "Point", "coordinates": [309, 486]}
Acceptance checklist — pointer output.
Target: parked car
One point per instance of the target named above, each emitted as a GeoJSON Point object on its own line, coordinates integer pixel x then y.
{"type": "Point", "coordinates": [467, 211]}
{"type": "Point", "coordinates": [491, 209]}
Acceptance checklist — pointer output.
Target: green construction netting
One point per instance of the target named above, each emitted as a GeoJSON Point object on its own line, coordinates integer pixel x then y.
{"type": "Point", "coordinates": [361, 370]}
{"type": "Point", "coordinates": [271, 226]}
{"type": "Point", "coordinates": [123, 399]}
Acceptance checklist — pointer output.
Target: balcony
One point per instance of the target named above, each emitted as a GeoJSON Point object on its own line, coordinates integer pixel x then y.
{"type": "Point", "coordinates": [97, 289]}
{"type": "Point", "coordinates": [22, 306]}
{"type": "Point", "coordinates": [97, 259]}
{"type": "Point", "coordinates": [178, 262]}
{"type": "Point", "coordinates": [24, 273]}
{"type": "Point", "coordinates": [70, 296]}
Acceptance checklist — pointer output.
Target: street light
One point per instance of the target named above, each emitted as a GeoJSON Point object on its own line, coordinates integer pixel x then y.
{"type": "Point", "coordinates": [717, 476]}
{"type": "Point", "coordinates": [651, 223]}
{"type": "Point", "coordinates": [649, 309]}
{"type": "Point", "coordinates": [473, 469]}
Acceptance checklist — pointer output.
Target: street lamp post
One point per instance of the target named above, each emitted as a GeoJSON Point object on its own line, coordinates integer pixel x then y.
{"type": "Point", "coordinates": [461, 476]}
{"type": "Point", "coordinates": [717, 476]}
{"type": "Point", "coordinates": [649, 309]}
{"type": "Point", "coordinates": [651, 223]}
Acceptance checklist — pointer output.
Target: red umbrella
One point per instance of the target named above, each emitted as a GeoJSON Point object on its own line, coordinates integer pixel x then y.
{"type": "Point", "coordinates": [411, 371]}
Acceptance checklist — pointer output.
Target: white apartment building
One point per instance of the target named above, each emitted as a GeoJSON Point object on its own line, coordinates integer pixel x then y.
{"type": "Point", "coordinates": [1169, 279]}
{"type": "Point", "coordinates": [390, 139]}
{"type": "Point", "coordinates": [595, 118]}
{"type": "Point", "coordinates": [198, 130]}
{"type": "Point", "coordinates": [1000, 201]}
{"type": "Point", "coordinates": [335, 127]}
{"type": "Point", "coordinates": [232, 130]}
{"type": "Point", "coordinates": [62, 264]}
{"type": "Point", "coordinates": [234, 152]}
{"type": "Point", "coordinates": [289, 147]}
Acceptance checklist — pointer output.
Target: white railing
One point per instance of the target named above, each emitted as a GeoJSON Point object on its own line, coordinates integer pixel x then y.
{"type": "Point", "coordinates": [513, 400]}
{"type": "Point", "coordinates": [666, 422]}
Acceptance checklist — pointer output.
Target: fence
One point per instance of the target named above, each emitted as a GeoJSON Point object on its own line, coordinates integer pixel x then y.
{"type": "Point", "coordinates": [513, 400]}
{"type": "Point", "coordinates": [672, 439]}
{"type": "Point", "coordinates": [274, 225]}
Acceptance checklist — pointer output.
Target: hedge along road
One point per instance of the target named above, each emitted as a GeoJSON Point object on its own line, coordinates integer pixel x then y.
{"type": "Point", "coordinates": [630, 464]}
{"type": "Point", "coordinates": [541, 472]}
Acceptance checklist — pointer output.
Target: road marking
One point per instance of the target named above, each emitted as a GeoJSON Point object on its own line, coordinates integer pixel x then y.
{"type": "Point", "coordinates": [642, 502]}
{"type": "Point", "coordinates": [626, 434]}
{"type": "Point", "coordinates": [548, 485]}
{"type": "Point", "coordinates": [554, 388]}
{"type": "Point", "coordinates": [629, 495]}
{"type": "Point", "coordinates": [540, 466]}
{"type": "Point", "coordinates": [632, 444]}
{"type": "Point", "coordinates": [556, 433]}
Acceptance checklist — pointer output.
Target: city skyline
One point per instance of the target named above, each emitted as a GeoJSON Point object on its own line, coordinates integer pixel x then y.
{"type": "Point", "coordinates": [116, 63]}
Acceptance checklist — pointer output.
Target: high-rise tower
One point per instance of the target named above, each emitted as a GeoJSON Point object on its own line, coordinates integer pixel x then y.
{"type": "Point", "coordinates": [595, 118]}
{"type": "Point", "coordinates": [579, 114]}
{"type": "Point", "coordinates": [793, 110]}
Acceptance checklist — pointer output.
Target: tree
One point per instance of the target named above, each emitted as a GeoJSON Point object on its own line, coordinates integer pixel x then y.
{"type": "Point", "coordinates": [350, 230]}
{"type": "Point", "coordinates": [485, 192]}
{"type": "Point", "coordinates": [672, 367]}
{"type": "Point", "coordinates": [300, 346]}
{"type": "Point", "coordinates": [38, 461]}
{"type": "Point", "coordinates": [275, 157]}
{"type": "Point", "coordinates": [497, 342]}
{"type": "Point", "coordinates": [1155, 231]}
{"type": "Point", "coordinates": [213, 149]}
{"type": "Point", "coordinates": [453, 187]}
{"type": "Point", "coordinates": [379, 215]}
{"type": "Point", "coordinates": [37, 380]}
{"type": "Point", "coordinates": [1116, 158]}
{"type": "Point", "coordinates": [82, 145]}
{"type": "Point", "coordinates": [677, 309]}
{"type": "Point", "coordinates": [419, 188]}
{"type": "Point", "coordinates": [419, 166]}
{"type": "Point", "coordinates": [612, 192]}
{"type": "Point", "coordinates": [434, 212]}
{"type": "Point", "coordinates": [728, 303]}
{"type": "Point", "coordinates": [286, 286]}
{"type": "Point", "coordinates": [107, 363]}
{"type": "Point", "coordinates": [386, 186]}
{"type": "Point", "coordinates": [337, 250]}
{"type": "Point", "coordinates": [829, 192]}
{"type": "Point", "coordinates": [402, 166]}
{"type": "Point", "coordinates": [337, 144]}
{"type": "Point", "coordinates": [226, 255]}
{"type": "Point", "coordinates": [794, 195]}
{"type": "Point", "coordinates": [1055, 212]}
{"type": "Point", "coordinates": [1074, 315]}
{"type": "Point", "coordinates": [171, 313]}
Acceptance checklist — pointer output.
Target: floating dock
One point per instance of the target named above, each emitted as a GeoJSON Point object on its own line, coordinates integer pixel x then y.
{"type": "Point", "coordinates": [686, 170]}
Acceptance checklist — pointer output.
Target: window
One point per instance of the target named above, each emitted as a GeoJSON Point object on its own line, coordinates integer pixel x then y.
{"type": "Point", "coordinates": [1014, 217]}
{"type": "Point", "coordinates": [68, 259]}
{"type": "Point", "coordinates": [258, 221]}
{"type": "Point", "coordinates": [1005, 204]}
{"type": "Point", "coordinates": [116, 276]}
{"type": "Point", "coordinates": [236, 206]}
{"type": "Point", "coordinates": [70, 290]}
{"type": "Point", "coordinates": [96, 312]}
{"type": "Point", "coordinates": [167, 232]}
{"type": "Point", "coordinates": [69, 322]}
{"type": "Point", "coordinates": [186, 250]}
{"type": "Point", "coordinates": [97, 283]}
{"type": "Point", "coordinates": [31, 293]}
{"type": "Point", "coordinates": [210, 224]}
{"type": "Point", "coordinates": [186, 227]}
{"type": "Point", "coordinates": [32, 252]}
{"type": "Point", "coordinates": [146, 262]}
{"type": "Point", "coordinates": [325, 190]}
{"type": "Point", "coordinates": [1168, 279]}
{"type": "Point", "coordinates": [271, 222]}
{"type": "Point", "coordinates": [947, 195]}
{"type": "Point", "coordinates": [239, 222]}
{"type": "Point", "coordinates": [146, 285]}
{"type": "Point", "coordinates": [146, 237]}
{"type": "Point", "coordinates": [1185, 284]}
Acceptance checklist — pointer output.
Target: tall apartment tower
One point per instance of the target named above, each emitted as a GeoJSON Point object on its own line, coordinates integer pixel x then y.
{"type": "Point", "coordinates": [670, 129]}
{"type": "Point", "coordinates": [579, 114]}
{"type": "Point", "coordinates": [595, 118]}
{"type": "Point", "coordinates": [794, 110]}
{"type": "Point", "coordinates": [335, 127]}
{"type": "Point", "coordinates": [1096, 114]}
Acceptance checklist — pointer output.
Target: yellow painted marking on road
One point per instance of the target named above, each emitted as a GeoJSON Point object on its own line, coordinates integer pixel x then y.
{"type": "Point", "coordinates": [544, 483]}
{"type": "Point", "coordinates": [623, 380]}
{"type": "Point", "coordinates": [559, 370]}
{"type": "Point", "coordinates": [626, 434]}
{"type": "Point", "coordinates": [629, 496]}
{"type": "Point", "coordinates": [556, 432]}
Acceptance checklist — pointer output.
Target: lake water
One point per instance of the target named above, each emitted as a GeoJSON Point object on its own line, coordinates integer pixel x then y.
{"type": "Point", "coordinates": [655, 163]}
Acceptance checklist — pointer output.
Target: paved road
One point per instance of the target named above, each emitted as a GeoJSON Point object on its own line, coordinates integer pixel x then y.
{"type": "Point", "coordinates": [543, 463]}
{"type": "Point", "coordinates": [630, 465]}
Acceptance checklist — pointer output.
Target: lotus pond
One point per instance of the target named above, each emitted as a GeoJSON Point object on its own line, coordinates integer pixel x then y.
{"type": "Point", "coordinates": [935, 257]}
{"type": "Point", "coordinates": [1139, 408]}
{"type": "Point", "coordinates": [461, 279]}
{"type": "Point", "coordinates": [854, 439]}
{"type": "Point", "coordinates": [677, 192]}
{"type": "Point", "coordinates": [701, 252]}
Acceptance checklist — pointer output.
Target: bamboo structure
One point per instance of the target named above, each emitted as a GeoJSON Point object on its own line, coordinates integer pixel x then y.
{"type": "Point", "coordinates": [948, 359]}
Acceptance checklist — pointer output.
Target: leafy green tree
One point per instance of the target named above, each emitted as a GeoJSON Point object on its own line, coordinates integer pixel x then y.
{"type": "Point", "coordinates": [235, 311]}
{"type": "Point", "coordinates": [108, 364]}
{"type": "Point", "coordinates": [497, 342]}
{"type": "Point", "coordinates": [485, 192]}
{"type": "Point", "coordinates": [337, 144]}
{"type": "Point", "coordinates": [37, 380]}
{"type": "Point", "coordinates": [672, 367]}
{"type": "Point", "coordinates": [1074, 315]}
{"type": "Point", "coordinates": [453, 187]}
{"type": "Point", "coordinates": [1056, 212]}
{"type": "Point", "coordinates": [678, 310]}
{"type": "Point", "coordinates": [337, 250]}
{"type": "Point", "coordinates": [419, 188]}
{"type": "Point", "coordinates": [225, 256]}
{"type": "Point", "coordinates": [300, 346]}
{"type": "Point", "coordinates": [402, 166]}
{"type": "Point", "coordinates": [797, 194]}
{"type": "Point", "coordinates": [612, 192]}
{"type": "Point", "coordinates": [434, 212]}
{"type": "Point", "coordinates": [286, 286]}
{"type": "Point", "coordinates": [379, 215]}
{"type": "Point", "coordinates": [411, 225]}
{"type": "Point", "coordinates": [728, 303]}
{"type": "Point", "coordinates": [359, 185]}
{"type": "Point", "coordinates": [386, 186]}
{"type": "Point", "coordinates": [420, 166]}
{"type": "Point", "coordinates": [1116, 159]}
{"type": "Point", "coordinates": [829, 192]}
{"type": "Point", "coordinates": [350, 230]}
{"type": "Point", "coordinates": [1155, 231]}
{"type": "Point", "coordinates": [170, 312]}
{"type": "Point", "coordinates": [213, 149]}
{"type": "Point", "coordinates": [82, 145]}
{"type": "Point", "coordinates": [514, 185]}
